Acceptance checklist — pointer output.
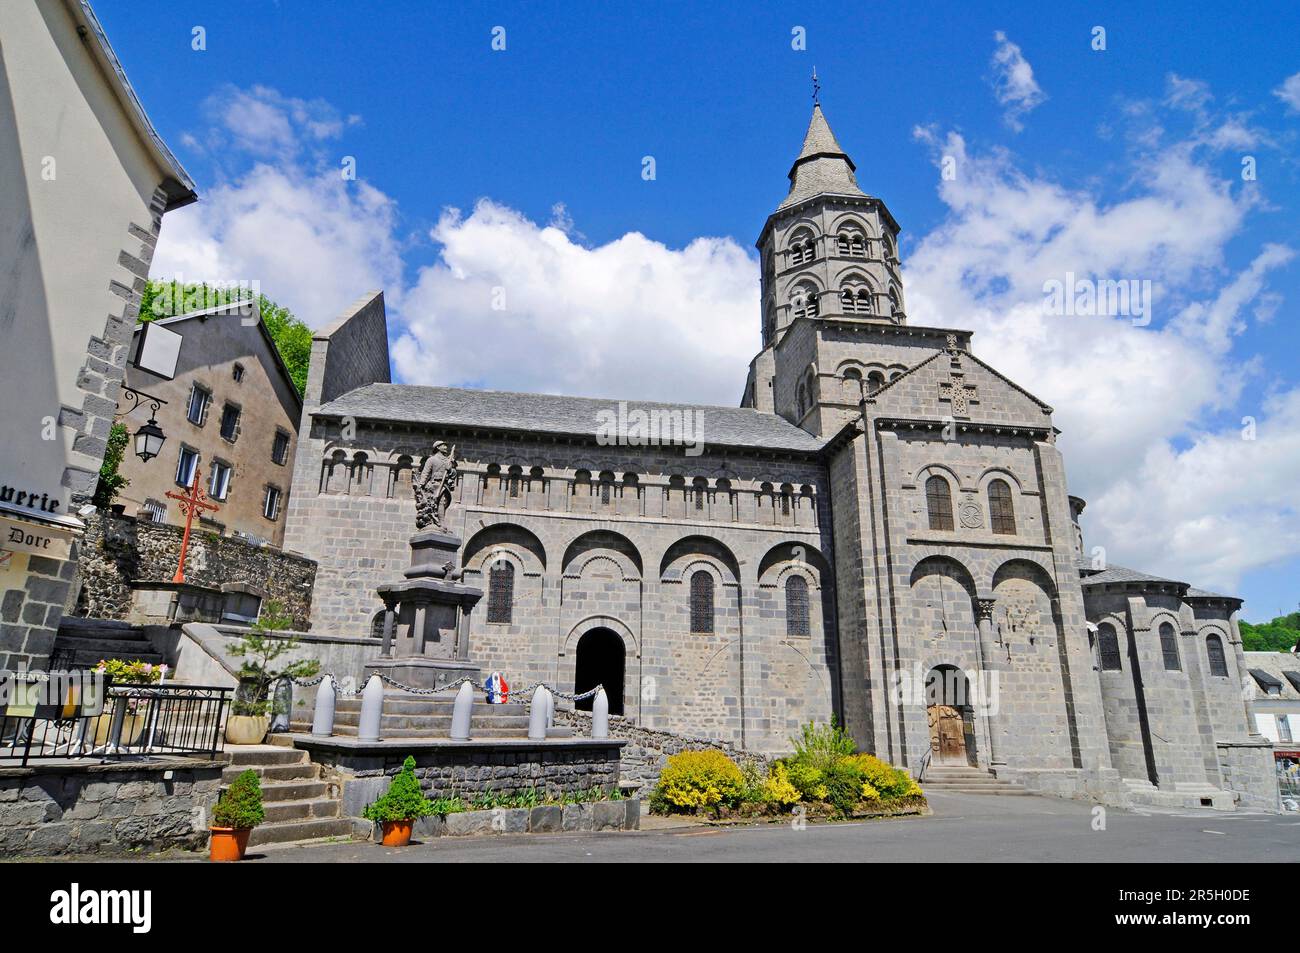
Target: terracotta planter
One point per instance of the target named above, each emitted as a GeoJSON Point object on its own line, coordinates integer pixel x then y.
{"type": "Point", "coordinates": [228, 843]}
{"type": "Point", "coordinates": [397, 833]}
{"type": "Point", "coordinates": [246, 729]}
{"type": "Point", "coordinates": [132, 726]}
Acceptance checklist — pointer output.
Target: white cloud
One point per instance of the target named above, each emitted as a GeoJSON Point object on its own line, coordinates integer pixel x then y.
{"type": "Point", "coordinates": [1130, 400]}
{"type": "Point", "coordinates": [1013, 82]}
{"type": "Point", "coordinates": [313, 241]}
{"type": "Point", "coordinates": [1289, 92]}
{"type": "Point", "coordinates": [629, 318]}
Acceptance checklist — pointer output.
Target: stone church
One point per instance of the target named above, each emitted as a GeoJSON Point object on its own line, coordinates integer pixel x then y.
{"type": "Point", "coordinates": [880, 533]}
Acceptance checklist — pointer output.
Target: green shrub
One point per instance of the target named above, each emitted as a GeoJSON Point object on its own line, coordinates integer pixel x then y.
{"type": "Point", "coordinates": [404, 800]}
{"type": "Point", "coordinates": [843, 782]}
{"type": "Point", "coordinates": [822, 746]}
{"type": "Point", "coordinates": [695, 779]}
{"type": "Point", "coordinates": [240, 805]}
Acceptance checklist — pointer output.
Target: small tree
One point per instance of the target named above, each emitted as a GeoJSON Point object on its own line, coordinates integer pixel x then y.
{"type": "Point", "coordinates": [404, 800]}
{"type": "Point", "coordinates": [259, 649]}
{"type": "Point", "coordinates": [240, 805]}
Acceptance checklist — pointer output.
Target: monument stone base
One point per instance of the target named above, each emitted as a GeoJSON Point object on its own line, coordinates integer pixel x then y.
{"type": "Point", "coordinates": [423, 672]}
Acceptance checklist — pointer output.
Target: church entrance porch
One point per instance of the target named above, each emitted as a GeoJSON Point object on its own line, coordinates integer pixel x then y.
{"type": "Point", "coordinates": [600, 661]}
{"type": "Point", "coordinates": [950, 717]}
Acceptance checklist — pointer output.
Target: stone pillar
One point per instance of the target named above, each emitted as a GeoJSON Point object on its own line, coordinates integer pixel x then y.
{"type": "Point", "coordinates": [390, 623]}
{"type": "Point", "coordinates": [990, 664]}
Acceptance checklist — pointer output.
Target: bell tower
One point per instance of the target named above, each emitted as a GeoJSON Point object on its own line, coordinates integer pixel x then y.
{"type": "Point", "coordinates": [829, 253]}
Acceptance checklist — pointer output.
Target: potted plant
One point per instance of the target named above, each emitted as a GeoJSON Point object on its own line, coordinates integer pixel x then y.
{"type": "Point", "coordinates": [265, 641]}
{"type": "Point", "coordinates": [121, 672]}
{"type": "Point", "coordinates": [238, 811]}
{"type": "Point", "coordinates": [399, 809]}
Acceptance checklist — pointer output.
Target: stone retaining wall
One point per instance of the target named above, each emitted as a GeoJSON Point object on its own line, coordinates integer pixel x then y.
{"type": "Point", "coordinates": [88, 808]}
{"type": "Point", "coordinates": [120, 550]}
{"type": "Point", "coordinates": [647, 749]}
{"type": "Point", "coordinates": [624, 815]}
{"type": "Point", "coordinates": [465, 769]}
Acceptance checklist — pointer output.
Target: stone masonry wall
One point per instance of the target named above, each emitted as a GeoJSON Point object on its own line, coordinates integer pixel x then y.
{"type": "Point", "coordinates": [120, 550]}
{"type": "Point", "coordinates": [647, 750]}
{"type": "Point", "coordinates": [96, 808]}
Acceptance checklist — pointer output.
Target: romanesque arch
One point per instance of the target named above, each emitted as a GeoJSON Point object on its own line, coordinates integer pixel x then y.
{"type": "Point", "coordinates": [509, 538]}
{"type": "Point", "coordinates": [603, 550]}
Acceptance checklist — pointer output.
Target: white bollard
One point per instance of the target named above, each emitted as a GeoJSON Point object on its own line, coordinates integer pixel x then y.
{"type": "Point", "coordinates": [600, 715]}
{"type": "Point", "coordinates": [537, 714]}
{"type": "Point", "coordinates": [372, 710]}
{"type": "Point", "coordinates": [322, 720]}
{"type": "Point", "coordinates": [550, 709]}
{"type": "Point", "coordinates": [461, 712]}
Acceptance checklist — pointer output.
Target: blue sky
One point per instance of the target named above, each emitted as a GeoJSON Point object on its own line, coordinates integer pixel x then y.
{"type": "Point", "coordinates": [1123, 163]}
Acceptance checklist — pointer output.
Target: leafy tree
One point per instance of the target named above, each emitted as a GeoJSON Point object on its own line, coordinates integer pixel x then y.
{"type": "Point", "coordinates": [163, 299]}
{"type": "Point", "coordinates": [110, 481]}
{"type": "Point", "coordinates": [404, 800]}
{"type": "Point", "coordinates": [1280, 635]}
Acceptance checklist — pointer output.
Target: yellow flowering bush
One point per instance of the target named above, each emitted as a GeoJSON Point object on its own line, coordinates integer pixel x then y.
{"type": "Point", "coordinates": [777, 789]}
{"type": "Point", "coordinates": [695, 779]}
{"type": "Point", "coordinates": [889, 782]}
{"type": "Point", "coordinates": [807, 780]}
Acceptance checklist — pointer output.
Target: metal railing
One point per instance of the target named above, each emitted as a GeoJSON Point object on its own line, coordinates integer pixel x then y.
{"type": "Point", "coordinates": [136, 720]}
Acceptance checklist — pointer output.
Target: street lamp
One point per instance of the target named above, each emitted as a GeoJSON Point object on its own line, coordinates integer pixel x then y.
{"type": "Point", "coordinates": [149, 438]}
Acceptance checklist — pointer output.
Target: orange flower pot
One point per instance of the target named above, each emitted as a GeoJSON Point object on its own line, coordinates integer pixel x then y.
{"type": "Point", "coordinates": [228, 843]}
{"type": "Point", "coordinates": [397, 833]}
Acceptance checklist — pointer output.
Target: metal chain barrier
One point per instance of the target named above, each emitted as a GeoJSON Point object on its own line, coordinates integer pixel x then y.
{"type": "Point", "coordinates": [514, 695]}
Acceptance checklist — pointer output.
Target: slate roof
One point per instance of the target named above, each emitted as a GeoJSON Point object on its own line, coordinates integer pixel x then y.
{"type": "Point", "coordinates": [1117, 574]}
{"type": "Point", "coordinates": [552, 414]}
{"type": "Point", "coordinates": [1282, 668]}
{"type": "Point", "coordinates": [823, 167]}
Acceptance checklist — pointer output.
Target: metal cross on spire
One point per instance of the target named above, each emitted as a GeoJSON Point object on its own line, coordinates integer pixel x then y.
{"type": "Point", "coordinates": [817, 89]}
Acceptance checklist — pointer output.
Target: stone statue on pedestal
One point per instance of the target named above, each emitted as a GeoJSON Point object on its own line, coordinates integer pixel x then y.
{"type": "Point", "coordinates": [433, 486]}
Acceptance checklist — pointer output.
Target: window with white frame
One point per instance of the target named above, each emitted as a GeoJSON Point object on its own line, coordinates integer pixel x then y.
{"type": "Point", "coordinates": [219, 480]}
{"type": "Point", "coordinates": [197, 410]}
{"type": "Point", "coordinates": [153, 511]}
{"type": "Point", "coordinates": [187, 464]}
{"type": "Point", "coordinates": [271, 502]}
{"type": "Point", "coordinates": [280, 448]}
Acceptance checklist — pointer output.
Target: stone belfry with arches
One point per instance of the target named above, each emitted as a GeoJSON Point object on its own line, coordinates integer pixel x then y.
{"type": "Point", "coordinates": [880, 533]}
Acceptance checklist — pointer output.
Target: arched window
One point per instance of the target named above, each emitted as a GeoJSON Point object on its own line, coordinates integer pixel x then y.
{"type": "Point", "coordinates": [702, 602]}
{"type": "Point", "coordinates": [888, 244]}
{"type": "Point", "coordinates": [700, 491]}
{"type": "Point", "coordinates": [875, 381]}
{"type": "Point", "coordinates": [1108, 648]}
{"type": "Point", "coordinates": [895, 304]}
{"type": "Point", "coordinates": [1218, 662]}
{"type": "Point", "coordinates": [802, 398]}
{"type": "Point", "coordinates": [515, 477]}
{"type": "Point", "coordinates": [606, 488]}
{"type": "Point", "coordinates": [801, 248]}
{"type": "Point", "coordinates": [796, 605]}
{"type": "Point", "coordinates": [1002, 513]}
{"type": "Point", "coordinates": [938, 502]}
{"type": "Point", "coordinates": [501, 591]}
{"type": "Point", "coordinates": [1169, 647]}
{"type": "Point", "coordinates": [803, 302]}
{"type": "Point", "coordinates": [377, 625]}
{"type": "Point", "coordinates": [787, 498]}
{"type": "Point", "coordinates": [851, 244]}
{"type": "Point", "coordinates": [855, 299]}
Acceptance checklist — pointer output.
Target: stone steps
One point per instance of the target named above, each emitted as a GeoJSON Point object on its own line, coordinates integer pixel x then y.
{"type": "Point", "coordinates": [299, 804]}
{"type": "Point", "coordinates": [315, 829]}
{"type": "Point", "coordinates": [967, 780]}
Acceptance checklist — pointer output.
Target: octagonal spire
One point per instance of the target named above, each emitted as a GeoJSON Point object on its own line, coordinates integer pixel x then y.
{"type": "Point", "coordinates": [822, 166]}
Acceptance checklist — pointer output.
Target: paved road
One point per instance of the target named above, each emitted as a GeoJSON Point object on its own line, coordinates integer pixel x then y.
{"type": "Point", "coordinates": [963, 828]}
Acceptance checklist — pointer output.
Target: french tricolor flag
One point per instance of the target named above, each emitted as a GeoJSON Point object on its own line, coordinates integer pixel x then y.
{"type": "Point", "coordinates": [497, 689]}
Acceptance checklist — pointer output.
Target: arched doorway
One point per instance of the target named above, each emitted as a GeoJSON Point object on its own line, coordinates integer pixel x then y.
{"type": "Point", "coordinates": [600, 661]}
{"type": "Point", "coordinates": [950, 715]}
